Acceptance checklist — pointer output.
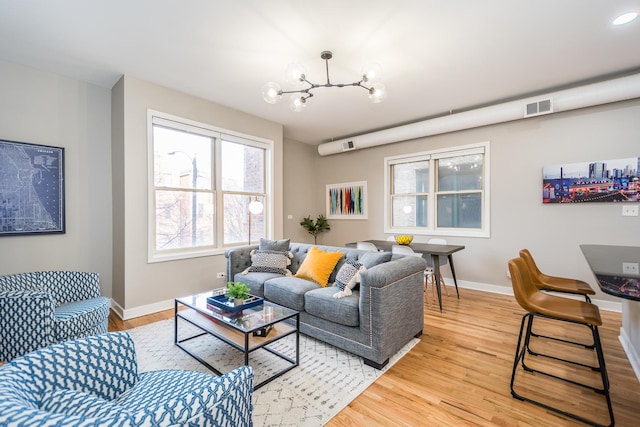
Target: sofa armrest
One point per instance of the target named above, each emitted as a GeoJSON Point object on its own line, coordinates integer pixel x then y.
{"type": "Point", "coordinates": [238, 260]}
{"type": "Point", "coordinates": [26, 319]}
{"type": "Point", "coordinates": [392, 299]}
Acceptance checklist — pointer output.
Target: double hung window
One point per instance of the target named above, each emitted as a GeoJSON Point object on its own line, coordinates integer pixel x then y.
{"type": "Point", "coordinates": [439, 192]}
{"type": "Point", "coordinates": [202, 182]}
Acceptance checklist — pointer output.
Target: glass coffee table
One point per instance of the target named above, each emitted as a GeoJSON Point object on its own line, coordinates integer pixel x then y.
{"type": "Point", "coordinates": [237, 329]}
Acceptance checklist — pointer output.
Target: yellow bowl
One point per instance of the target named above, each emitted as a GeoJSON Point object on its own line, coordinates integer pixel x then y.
{"type": "Point", "coordinates": [404, 239]}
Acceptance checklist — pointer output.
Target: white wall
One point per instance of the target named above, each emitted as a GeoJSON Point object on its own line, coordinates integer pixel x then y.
{"type": "Point", "coordinates": [44, 108]}
{"type": "Point", "coordinates": [140, 287]}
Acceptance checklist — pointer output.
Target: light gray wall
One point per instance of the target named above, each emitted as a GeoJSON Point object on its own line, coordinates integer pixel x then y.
{"type": "Point", "coordinates": [300, 189]}
{"type": "Point", "coordinates": [519, 150]}
{"type": "Point", "coordinates": [145, 284]}
{"type": "Point", "coordinates": [44, 108]}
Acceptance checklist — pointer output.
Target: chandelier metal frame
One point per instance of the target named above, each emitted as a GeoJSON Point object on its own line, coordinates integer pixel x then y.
{"type": "Point", "coordinates": [272, 92]}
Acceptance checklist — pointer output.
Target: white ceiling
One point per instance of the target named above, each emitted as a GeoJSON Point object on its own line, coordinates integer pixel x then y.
{"type": "Point", "coordinates": [437, 56]}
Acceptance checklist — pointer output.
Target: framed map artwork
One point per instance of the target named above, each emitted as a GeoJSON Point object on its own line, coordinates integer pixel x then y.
{"type": "Point", "coordinates": [31, 189]}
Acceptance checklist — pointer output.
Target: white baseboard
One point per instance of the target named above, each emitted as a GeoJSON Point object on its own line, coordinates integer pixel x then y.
{"type": "Point", "coordinates": [507, 290]}
{"type": "Point", "coordinates": [631, 352]}
{"type": "Point", "coordinates": [485, 287]}
{"type": "Point", "coordinates": [141, 310]}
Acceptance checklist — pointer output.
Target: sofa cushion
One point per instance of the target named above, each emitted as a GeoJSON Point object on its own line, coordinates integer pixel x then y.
{"type": "Point", "coordinates": [318, 265]}
{"type": "Point", "coordinates": [78, 318]}
{"type": "Point", "coordinates": [344, 311]}
{"type": "Point", "coordinates": [255, 281]}
{"type": "Point", "coordinates": [269, 262]}
{"type": "Point", "coordinates": [288, 291]}
{"type": "Point", "coordinates": [274, 245]}
{"type": "Point", "coordinates": [348, 276]}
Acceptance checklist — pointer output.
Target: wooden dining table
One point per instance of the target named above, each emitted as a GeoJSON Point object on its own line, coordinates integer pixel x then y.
{"type": "Point", "coordinates": [435, 251]}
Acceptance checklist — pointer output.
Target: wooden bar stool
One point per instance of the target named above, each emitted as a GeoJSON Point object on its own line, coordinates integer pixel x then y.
{"type": "Point", "coordinates": [542, 305]}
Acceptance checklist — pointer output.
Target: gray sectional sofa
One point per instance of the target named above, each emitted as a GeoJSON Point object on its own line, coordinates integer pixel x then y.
{"type": "Point", "coordinates": [383, 313]}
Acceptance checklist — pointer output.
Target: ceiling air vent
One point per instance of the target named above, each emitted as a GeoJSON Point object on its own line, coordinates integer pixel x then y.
{"type": "Point", "coordinates": [537, 108]}
{"type": "Point", "coordinates": [348, 146]}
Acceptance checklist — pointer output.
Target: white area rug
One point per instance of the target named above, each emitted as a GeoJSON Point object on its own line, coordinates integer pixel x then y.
{"type": "Point", "coordinates": [312, 393]}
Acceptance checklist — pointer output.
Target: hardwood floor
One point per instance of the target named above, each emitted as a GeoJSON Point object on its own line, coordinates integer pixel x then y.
{"type": "Point", "coordinates": [459, 373]}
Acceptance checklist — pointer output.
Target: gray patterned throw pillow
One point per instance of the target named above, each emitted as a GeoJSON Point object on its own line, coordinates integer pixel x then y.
{"type": "Point", "coordinates": [348, 276]}
{"type": "Point", "coordinates": [270, 262]}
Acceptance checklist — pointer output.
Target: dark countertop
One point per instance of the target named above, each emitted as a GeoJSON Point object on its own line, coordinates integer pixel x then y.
{"type": "Point", "coordinates": [616, 269]}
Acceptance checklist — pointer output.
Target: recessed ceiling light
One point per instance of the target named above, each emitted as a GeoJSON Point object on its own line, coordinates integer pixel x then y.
{"type": "Point", "coordinates": [625, 18]}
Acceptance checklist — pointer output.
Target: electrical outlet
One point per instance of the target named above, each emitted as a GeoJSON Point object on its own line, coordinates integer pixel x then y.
{"type": "Point", "coordinates": [220, 275]}
{"type": "Point", "coordinates": [630, 268]}
{"type": "Point", "coordinates": [630, 210]}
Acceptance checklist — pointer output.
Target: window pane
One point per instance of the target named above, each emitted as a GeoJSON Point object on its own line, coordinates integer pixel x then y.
{"type": "Point", "coordinates": [242, 167]}
{"type": "Point", "coordinates": [460, 210]}
{"type": "Point", "coordinates": [237, 217]}
{"type": "Point", "coordinates": [183, 219]}
{"type": "Point", "coordinates": [460, 173]}
{"type": "Point", "coordinates": [182, 160]}
{"type": "Point", "coordinates": [409, 211]}
{"type": "Point", "coordinates": [410, 177]}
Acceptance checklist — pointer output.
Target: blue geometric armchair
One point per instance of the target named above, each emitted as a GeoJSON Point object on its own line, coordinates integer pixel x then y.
{"type": "Point", "coordinates": [94, 381]}
{"type": "Point", "coordinates": [41, 308]}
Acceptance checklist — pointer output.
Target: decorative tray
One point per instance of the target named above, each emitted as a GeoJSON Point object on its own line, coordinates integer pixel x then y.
{"type": "Point", "coordinates": [222, 302]}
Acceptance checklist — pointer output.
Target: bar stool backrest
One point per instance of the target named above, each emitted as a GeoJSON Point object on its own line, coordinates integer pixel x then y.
{"type": "Point", "coordinates": [523, 287]}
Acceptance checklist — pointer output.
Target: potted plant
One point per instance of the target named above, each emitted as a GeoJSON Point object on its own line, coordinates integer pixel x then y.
{"type": "Point", "coordinates": [237, 292]}
{"type": "Point", "coordinates": [315, 227]}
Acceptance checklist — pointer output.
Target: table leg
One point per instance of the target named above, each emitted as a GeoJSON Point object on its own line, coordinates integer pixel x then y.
{"type": "Point", "coordinates": [175, 322]}
{"type": "Point", "coordinates": [436, 277]}
{"type": "Point", "coordinates": [246, 349]}
{"type": "Point", "coordinates": [453, 272]}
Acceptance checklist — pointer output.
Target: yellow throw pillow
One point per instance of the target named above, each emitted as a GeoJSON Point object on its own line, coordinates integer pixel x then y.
{"type": "Point", "coordinates": [318, 265]}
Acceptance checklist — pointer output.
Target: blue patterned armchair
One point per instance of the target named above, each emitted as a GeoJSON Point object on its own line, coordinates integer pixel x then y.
{"type": "Point", "coordinates": [94, 381]}
{"type": "Point", "coordinates": [41, 308]}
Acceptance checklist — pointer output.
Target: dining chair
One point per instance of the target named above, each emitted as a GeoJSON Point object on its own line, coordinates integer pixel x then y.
{"type": "Point", "coordinates": [539, 304]}
{"type": "Point", "coordinates": [553, 283]}
{"type": "Point", "coordinates": [366, 246]}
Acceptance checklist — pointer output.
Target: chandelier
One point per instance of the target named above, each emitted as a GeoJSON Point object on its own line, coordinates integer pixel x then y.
{"type": "Point", "coordinates": [296, 75]}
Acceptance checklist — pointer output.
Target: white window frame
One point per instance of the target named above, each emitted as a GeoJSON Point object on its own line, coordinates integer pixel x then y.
{"type": "Point", "coordinates": [431, 229]}
{"type": "Point", "coordinates": [218, 134]}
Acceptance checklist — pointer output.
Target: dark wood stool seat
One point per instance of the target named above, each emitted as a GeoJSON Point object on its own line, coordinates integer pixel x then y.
{"type": "Point", "coordinates": [542, 305]}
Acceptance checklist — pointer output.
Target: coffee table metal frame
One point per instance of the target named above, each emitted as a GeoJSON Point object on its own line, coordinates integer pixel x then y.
{"type": "Point", "coordinates": [226, 329]}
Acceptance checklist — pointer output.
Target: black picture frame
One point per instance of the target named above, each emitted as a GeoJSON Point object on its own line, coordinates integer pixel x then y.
{"type": "Point", "coordinates": [32, 198]}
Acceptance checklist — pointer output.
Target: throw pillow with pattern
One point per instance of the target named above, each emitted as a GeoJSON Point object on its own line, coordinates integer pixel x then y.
{"type": "Point", "coordinates": [269, 262]}
{"type": "Point", "coordinates": [348, 276]}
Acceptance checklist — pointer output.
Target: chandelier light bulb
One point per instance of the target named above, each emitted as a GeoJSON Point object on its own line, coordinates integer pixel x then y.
{"type": "Point", "coordinates": [271, 92]}
{"type": "Point", "coordinates": [377, 93]}
{"type": "Point", "coordinates": [297, 103]}
{"type": "Point", "coordinates": [295, 74]}
{"type": "Point", "coordinates": [371, 73]}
